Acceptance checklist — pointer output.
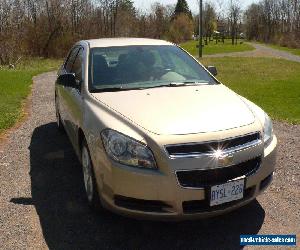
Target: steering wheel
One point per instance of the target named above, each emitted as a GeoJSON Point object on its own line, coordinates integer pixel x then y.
{"type": "Point", "coordinates": [158, 72]}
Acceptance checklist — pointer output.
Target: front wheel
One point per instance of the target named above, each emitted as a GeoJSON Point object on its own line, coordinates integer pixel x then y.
{"type": "Point", "coordinates": [89, 179]}
{"type": "Point", "coordinates": [59, 124]}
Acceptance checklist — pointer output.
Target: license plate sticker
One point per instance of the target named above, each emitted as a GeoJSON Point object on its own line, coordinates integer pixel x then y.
{"type": "Point", "coordinates": [230, 191]}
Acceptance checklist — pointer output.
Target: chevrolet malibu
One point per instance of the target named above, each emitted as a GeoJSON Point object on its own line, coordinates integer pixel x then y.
{"type": "Point", "coordinates": [158, 136]}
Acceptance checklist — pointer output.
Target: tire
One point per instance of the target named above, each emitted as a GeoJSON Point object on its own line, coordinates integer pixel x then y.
{"type": "Point", "coordinates": [90, 184]}
{"type": "Point", "coordinates": [59, 124]}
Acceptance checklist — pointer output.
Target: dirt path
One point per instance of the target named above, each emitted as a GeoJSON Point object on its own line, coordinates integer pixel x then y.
{"type": "Point", "coordinates": [42, 200]}
{"type": "Point", "coordinates": [261, 51]}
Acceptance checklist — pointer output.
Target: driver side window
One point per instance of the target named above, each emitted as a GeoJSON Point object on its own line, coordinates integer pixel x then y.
{"type": "Point", "coordinates": [70, 60]}
{"type": "Point", "coordinates": [77, 66]}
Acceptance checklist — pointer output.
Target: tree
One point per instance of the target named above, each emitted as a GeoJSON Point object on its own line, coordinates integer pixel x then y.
{"type": "Point", "coordinates": [209, 21]}
{"type": "Point", "coordinates": [50, 27]}
{"type": "Point", "coordinates": [126, 19]}
{"type": "Point", "coordinates": [276, 21]}
{"type": "Point", "coordinates": [182, 8]}
{"type": "Point", "coordinates": [252, 20]}
{"type": "Point", "coordinates": [234, 18]}
{"type": "Point", "coordinates": [181, 29]}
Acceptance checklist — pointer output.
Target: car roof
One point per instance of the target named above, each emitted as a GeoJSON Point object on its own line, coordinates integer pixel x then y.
{"type": "Point", "coordinates": [113, 42]}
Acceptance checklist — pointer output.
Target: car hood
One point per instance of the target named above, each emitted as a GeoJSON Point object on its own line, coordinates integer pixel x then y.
{"type": "Point", "coordinates": [180, 110]}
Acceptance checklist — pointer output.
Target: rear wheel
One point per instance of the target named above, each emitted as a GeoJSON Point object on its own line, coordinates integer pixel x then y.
{"type": "Point", "coordinates": [89, 179]}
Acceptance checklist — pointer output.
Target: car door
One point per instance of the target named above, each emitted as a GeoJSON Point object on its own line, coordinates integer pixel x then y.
{"type": "Point", "coordinates": [61, 90]}
{"type": "Point", "coordinates": [73, 97]}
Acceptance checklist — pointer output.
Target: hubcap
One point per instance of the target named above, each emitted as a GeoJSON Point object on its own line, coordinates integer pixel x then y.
{"type": "Point", "coordinates": [87, 173]}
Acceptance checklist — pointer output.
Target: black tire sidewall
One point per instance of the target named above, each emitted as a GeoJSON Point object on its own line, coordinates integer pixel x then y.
{"type": "Point", "coordinates": [59, 124]}
{"type": "Point", "coordinates": [95, 202]}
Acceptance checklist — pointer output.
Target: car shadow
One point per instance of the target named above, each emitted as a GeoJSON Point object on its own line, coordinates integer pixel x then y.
{"type": "Point", "coordinates": [68, 223]}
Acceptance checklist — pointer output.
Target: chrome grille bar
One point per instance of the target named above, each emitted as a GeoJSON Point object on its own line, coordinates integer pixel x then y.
{"type": "Point", "coordinates": [221, 145]}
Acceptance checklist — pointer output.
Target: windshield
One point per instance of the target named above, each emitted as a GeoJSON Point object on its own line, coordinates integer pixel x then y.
{"type": "Point", "coordinates": [132, 67]}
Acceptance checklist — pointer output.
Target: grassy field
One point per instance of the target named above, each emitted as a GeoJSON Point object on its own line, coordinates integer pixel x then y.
{"type": "Point", "coordinates": [273, 84]}
{"type": "Point", "coordinates": [213, 48]}
{"type": "Point", "coordinates": [15, 86]}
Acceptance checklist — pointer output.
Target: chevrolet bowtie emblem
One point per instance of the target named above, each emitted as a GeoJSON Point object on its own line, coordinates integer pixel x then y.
{"type": "Point", "coordinates": [225, 160]}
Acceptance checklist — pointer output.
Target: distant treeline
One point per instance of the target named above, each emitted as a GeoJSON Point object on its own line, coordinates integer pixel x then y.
{"type": "Point", "coordinates": [276, 21]}
{"type": "Point", "coordinates": [47, 28]}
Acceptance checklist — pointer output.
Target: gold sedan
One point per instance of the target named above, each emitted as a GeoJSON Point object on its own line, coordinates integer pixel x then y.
{"type": "Point", "coordinates": [157, 134]}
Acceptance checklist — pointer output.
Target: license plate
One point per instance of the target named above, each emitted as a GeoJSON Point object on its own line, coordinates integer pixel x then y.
{"type": "Point", "coordinates": [230, 191]}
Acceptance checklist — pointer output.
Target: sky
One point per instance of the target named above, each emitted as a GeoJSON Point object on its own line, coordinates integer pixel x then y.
{"type": "Point", "coordinates": [193, 4]}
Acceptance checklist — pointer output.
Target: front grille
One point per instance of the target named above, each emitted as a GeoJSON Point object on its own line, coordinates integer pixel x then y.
{"type": "Point", "coordinates": [206, 147]}
{"type": "Point", "coordinates": [141, 205]}
{"type": "Point", "coordinates": [200, 206]}
{"type": "Point", "coordinates": [210, 177]}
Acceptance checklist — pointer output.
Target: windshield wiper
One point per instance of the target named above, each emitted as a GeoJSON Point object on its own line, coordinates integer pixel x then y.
{"type": "Point", "coordinates": [176, 84]}
{"type": "Point", "coordinates": [115, 89]}
{"type": "Point", "coordinates": [186, 83]}
{"type": "Point", "coordinates": [107, 89]}
{"type": "Point", "coordinates": [170, 84]}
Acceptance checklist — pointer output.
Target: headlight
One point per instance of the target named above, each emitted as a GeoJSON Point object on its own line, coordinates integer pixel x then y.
{"type": "Point", "coordinates": [126, 150]}
{"type": "Point", "coordinates": [268, 131]}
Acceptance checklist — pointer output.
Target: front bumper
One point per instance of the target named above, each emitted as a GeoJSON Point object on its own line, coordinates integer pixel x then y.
{"type": "Point", "coordinates": [148, 194]}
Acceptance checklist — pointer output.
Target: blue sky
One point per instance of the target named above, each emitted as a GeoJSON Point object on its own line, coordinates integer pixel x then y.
{"type": "Point", "coordinates": [146, 4]}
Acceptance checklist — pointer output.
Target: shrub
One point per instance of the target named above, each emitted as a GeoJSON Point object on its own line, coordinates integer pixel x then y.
{"type": "Point", "coordinates": [181, 29]}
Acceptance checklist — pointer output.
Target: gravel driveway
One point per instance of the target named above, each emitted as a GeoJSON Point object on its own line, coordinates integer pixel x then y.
{"type": "Point", "coordinates": [43, 205]}
{"type": "Point", "coordinates": [261, 51]}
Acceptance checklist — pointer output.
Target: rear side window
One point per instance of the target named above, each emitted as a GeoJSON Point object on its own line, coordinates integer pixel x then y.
{"type": "Point", "coordinates": [70, 60]}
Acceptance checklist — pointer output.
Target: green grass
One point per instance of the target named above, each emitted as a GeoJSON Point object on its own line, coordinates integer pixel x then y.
{"type": "Point", "coordinates": [15, 86]}
{"type": "Point", "coordinates": [213, 48]}
{"type": "Point", "coordinates": [273, 84]}
{"type": "Point", "coordinates": [290, 50]}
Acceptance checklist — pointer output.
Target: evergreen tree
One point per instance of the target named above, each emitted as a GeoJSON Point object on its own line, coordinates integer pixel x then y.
{"type": "Point", "coordinates": [182, 8]}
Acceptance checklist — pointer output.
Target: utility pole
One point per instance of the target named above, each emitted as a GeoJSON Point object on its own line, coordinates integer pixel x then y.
{"type": "Point", "coordinates": [200, 29]}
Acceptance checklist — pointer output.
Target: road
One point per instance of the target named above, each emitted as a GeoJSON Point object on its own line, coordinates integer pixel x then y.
{"type": "Point", "coordinates": [43, 205]}
{"type": "Point", "coordinates": [260, 51]}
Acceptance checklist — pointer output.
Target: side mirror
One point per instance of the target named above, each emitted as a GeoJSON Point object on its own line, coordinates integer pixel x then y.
{"type": "Point", "coordinates": [212, 70]}
{"type": "Point", "coordinates": [67, 80]}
